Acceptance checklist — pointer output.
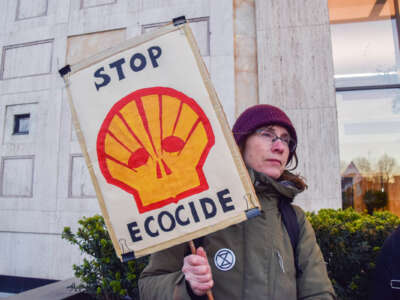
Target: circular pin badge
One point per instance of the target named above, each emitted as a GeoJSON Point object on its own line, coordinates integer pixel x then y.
{"type": "Point", "coordinates": [224, 259]}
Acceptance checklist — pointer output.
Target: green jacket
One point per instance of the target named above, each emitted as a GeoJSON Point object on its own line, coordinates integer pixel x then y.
{"type": "Point", "coordinates": [264, 262]}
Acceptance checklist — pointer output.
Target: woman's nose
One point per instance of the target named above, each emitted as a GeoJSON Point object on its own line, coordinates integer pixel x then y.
{"type": "Point", "coordinates": [278, 145]}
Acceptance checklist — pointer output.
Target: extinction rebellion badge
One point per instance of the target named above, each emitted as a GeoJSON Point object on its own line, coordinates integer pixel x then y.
{"type": "Point", "coordinates": [224, 259]}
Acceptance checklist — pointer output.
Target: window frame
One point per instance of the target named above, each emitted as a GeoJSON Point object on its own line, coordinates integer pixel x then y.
{"type": "Point", "coordinates": [17, 121]}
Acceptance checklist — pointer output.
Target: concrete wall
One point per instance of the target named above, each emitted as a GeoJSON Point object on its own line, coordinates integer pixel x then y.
{"type": "Point", "coordinates": [44, 184]}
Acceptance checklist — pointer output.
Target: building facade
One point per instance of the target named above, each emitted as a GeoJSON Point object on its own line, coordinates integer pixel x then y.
{"type": "Point", "coordinates": [277, 52]}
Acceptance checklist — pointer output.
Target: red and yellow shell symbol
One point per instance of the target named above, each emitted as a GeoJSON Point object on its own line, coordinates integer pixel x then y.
{"type": "Point", "coordinates": [153, 144]}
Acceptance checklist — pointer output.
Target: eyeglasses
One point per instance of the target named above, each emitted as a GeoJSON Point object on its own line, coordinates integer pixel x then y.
{"type": "Point", "coordinates": [271, 138]}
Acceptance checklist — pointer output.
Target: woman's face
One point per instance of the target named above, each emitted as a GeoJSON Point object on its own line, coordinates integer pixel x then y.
{"type": "Point", "coordinates": [265, 156]}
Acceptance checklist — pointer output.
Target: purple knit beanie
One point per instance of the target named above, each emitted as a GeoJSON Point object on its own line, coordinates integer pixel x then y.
{"type": "Point", "coordinates": [258, 116]}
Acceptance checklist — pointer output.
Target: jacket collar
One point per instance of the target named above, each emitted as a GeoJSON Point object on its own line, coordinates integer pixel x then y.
{"type": "Point", "coordinates": [265, 184]}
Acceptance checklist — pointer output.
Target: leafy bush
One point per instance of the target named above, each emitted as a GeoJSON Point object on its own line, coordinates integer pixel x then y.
{"type": "Point", "coordinates": [350, 243]}
{"type": "Point", "coordinates": [102, 274]}
{"type": "Point", "coordinates": [375, 200]}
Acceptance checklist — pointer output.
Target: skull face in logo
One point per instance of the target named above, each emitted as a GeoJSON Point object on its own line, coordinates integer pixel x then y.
{"type": "Point", "coordinates": [153, 144]}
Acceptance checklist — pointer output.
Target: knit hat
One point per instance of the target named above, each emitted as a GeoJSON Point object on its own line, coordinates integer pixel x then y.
{"type": "Point", "coordinates": [258, 116]}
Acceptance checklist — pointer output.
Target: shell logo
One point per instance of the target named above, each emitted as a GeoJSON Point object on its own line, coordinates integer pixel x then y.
{"type": "Point", "coordinates": [153, 144]}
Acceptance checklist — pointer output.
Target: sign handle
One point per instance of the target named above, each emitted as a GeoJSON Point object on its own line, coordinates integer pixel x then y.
{"type": "Point", "coordinates": [193, 250]}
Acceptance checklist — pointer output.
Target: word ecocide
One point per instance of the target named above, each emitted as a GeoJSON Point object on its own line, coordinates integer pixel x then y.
{"type": "Point", "coordinates": [182, 215]}
{"type": "Point", "coordinates": [137, 63]}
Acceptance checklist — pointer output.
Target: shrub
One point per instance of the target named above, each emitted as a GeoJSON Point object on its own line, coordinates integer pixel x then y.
{"type": "Point", "coordinates": [102, 274]}
{"type": "Point", "coordinates": [350, 243]}
{"type": "Point", "coordinates": [375, 200]}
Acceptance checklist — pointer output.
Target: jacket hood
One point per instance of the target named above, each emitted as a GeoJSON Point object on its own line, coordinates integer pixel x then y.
{"type": "Point", "coordinates": [264, 184]}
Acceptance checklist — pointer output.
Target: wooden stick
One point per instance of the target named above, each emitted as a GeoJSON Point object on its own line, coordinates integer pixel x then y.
{"type": "Point", "coordinates": [192, 247]}
{"type": "Point", "coordinates": [193, 250]}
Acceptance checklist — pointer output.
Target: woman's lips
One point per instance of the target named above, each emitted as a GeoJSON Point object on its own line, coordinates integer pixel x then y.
{"type": "Point", "coordinates": [274, 161]}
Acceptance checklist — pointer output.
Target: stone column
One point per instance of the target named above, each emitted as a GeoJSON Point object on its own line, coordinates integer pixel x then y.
{"type": "Point", "coordinates": [245, 51]}
{"type": "Point", "coordinates": [295, 72]}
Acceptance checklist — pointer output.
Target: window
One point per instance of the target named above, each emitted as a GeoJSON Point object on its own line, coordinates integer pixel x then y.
{"type": "Point", "coordinates": [365, 46]}
{"type": "Point", "coordinates": [21, 124]}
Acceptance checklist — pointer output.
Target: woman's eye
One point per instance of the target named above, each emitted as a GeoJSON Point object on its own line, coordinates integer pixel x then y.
{"type": "Point", "coordinates": [267, 134]}
{"type": "Point", "coordinates": [286, 140]}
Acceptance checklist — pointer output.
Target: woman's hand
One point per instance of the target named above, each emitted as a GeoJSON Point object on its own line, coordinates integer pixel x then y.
{"type": "Point", "coordinates": [198, 272]}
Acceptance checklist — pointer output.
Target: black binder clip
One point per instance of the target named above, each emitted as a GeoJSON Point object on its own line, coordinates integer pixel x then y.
{"type": "Point", "coordinates": [64, 70]}
{"type": "Point", "coordinates": [128, 256]}
{"type": "Point", "coordinates": [179, 20]}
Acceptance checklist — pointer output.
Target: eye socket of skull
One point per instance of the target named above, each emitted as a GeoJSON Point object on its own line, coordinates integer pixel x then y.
{"type": "Point", "coordinates": [138, 158]}
{"type": "Point", "coordinates": [172, 144]}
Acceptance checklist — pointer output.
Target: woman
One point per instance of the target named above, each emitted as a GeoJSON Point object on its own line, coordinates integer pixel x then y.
{"type": "Point", "coordinates": [254, 259]}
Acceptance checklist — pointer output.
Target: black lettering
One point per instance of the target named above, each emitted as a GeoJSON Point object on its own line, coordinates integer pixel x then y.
{"type": "Point", "coordinates": [194, 212]}
{"type": "Point", "coordinates": [171, 217]}
{"type": "Point", "coordinates": [177, 217]}
{"type": "Point", "coordinates": [154, 55]}
{"type": "Point", "coordinates": [147, 227]}
{"type": "Point", "coordinates": [142, 62]}
{"type": "Point", "coordinates": [118, 65]}
{"type": "Point", "coordinates": [225, 200]}
{"type": "Point", "coordinates": [134, 232]}
{"type": "Point", "coordinates": [105, 77]}
{"type": "Point", "coordinates": [208, 214]}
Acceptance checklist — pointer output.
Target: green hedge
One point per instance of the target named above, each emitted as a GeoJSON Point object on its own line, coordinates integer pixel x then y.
{"type": "Point", "coordinates": [350, 243]}
{"type": "Point", "coordinates": [102, 274]}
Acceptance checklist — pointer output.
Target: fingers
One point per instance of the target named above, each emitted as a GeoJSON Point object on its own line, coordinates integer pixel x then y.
{"type": "Point", "coordinates": [200, 284]}
{"type": "Point", "coordinates": [198, 272]}
{"type": "Point", "coordinates": [195, 260]}
{"type": "Point", "coordinates": [201, 252]}
{"type": "Point", "coordinates": [201, 289]}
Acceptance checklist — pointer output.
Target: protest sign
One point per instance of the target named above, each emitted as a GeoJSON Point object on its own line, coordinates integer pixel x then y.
{"type": "Point", "coordinates": [159, 150]}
